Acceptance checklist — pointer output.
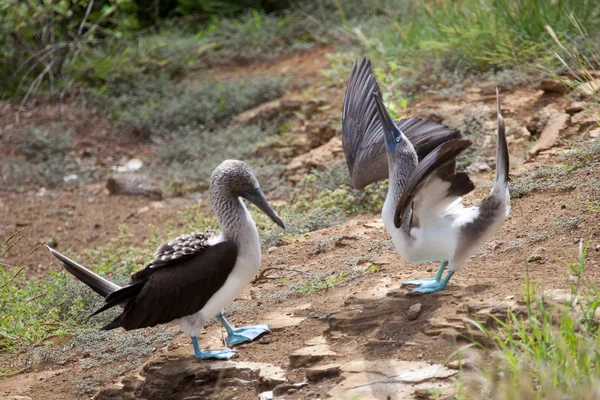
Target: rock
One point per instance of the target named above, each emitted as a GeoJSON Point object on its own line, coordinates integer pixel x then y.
{"type": "Point", "coordinates": [321, 372]}
{"type": "Point", "coordinates": [16, 398]}
{"type": "Point", "coordinates": [589, 89]}
{"type": "Point", "coordinates": [130, 166]}
{"type": "Point", "coordinates": [189, 377]}
{"type": "Point", "coordinates": [265, 340]}
{"type": "Point", "coordinates": [558, 296]}
{"type": "Point", "coordinates": [552, 86]}
{"type": "Point", "coordinates": [586, 118]}
{"type": "Point", "coordinates": [310, 355]}
{"type": "Point", "coordinates": [550, 134]}
{"type": "Point", "coordinates": [269, 110]}
{"type": "Point", "coordinates": [278, 321]}
{"type": "Point", "coordinates": [282, 389]}
{"type": "Point", "coordinates": [313, 134]}
{"type": "Point", "coordinates": [574, 108]}
{"type": "Point", "coordinates": [389, 379]}
{"type": "Point", "coordinates": [414, 311]}
{"type": "Point", "coordinates": [595, 133]}
{"type": "Point", "coordinates": [134, 185]}
{"type": "Point", "coordinates": [319, 157]}
{"type": "Point", "coordinates": [438, 326]}
{"type": "Point", "coordinates": [461, 364]}
{"type": "Point", "coordinates": [478, 166]}
{"type": "Point", "coordinates": [266, 395]}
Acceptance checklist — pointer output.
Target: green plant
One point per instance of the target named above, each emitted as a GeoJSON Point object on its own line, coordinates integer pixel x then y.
{"type": "Point", "coordinates": [152, 109]}
{"type": "Point", "coordinates": [41, 41]}
{"type": "Point", "coordinates": [550, 352]}
{"type": "Point", "coordinates": [42, 158]}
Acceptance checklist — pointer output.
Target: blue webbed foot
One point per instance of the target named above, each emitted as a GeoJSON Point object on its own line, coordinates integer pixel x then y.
{"type": "Point", "coordinates": [224, 354]}
{"type": "Point", "coordinates": [434, 285]}
{"type": "Point", "coordinates": [245, 334]}
{"type": "Point", "coordinates": [429, 287]}
{"type": "Point", "coordinates": [418, 282]}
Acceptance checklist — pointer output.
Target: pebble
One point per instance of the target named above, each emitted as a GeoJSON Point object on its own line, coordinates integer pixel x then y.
{"type": "Point", "coordinates": [414, 311]}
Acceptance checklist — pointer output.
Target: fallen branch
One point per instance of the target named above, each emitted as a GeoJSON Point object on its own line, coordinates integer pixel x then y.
{"type": "Point", "coordinates": [262, 275]}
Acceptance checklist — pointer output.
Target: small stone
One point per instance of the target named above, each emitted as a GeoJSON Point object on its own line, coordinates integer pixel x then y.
{"type": "Point", "coordinates": [534, 258]}
{"type": "Point", "coordinates": [321, 372]}
{"type": "Point", "coordinates": [552, 86]}
{"type": "Point", "coordinates": [595, 133]}
{"type": "Point", "coordinates": [414, 311]}
{"type": "Point", "coordinates": [574, 108]}
{"type": "Point", "coordinates": [282, 389]}
{"type": "Point", "coordinates": [265, 340]}
{"type": "Point", "coordinates": [134, 185]}
{"type": "Point", "coordinates": [292, 391]}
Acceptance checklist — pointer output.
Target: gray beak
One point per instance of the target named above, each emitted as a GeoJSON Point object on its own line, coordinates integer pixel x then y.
{"type": "Point", "coordinates": [257, 197]}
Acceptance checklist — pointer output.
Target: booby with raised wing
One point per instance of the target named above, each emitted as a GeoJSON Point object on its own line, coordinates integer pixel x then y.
{"type": "Point", "coordinates": [423, 210]}
{"type": "Point", "coordinates": [195, 276]}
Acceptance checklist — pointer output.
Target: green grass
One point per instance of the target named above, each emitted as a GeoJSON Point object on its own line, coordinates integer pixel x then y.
{"type": "Point", "coordinates": [442, 43]}
{"type": "Point", "coordinates": [552, 352]}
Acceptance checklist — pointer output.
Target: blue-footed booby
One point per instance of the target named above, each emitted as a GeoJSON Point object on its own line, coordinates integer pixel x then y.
{"type": "Point", "coordinates": [195, 276]}
{"type": "Point", "coordinates": [423, 210]}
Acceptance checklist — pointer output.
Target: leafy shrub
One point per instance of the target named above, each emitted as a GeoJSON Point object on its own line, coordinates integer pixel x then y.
{"type": "Point", "coordinates": [43, 158]}
{"type": "Point", "coordinates": [190, 154]}
{"type": "Point", "coordinates": [153, 108]}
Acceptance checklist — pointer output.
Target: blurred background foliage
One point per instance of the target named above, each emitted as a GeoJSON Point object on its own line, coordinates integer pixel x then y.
{"type": "Point", "coordinates": [56, 46]}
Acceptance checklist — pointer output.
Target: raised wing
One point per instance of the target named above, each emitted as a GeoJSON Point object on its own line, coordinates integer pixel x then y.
{"type": "Point", "coordinates": [172, 288]}
{"type": "Point", "coordinates": [435, 184]}
{"type": "Point", "coordinates": [362, 134]}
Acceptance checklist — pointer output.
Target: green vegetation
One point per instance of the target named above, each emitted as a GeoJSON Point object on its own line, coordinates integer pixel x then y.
{"type": "Point", "coordinates": [550, 352]}
{"type": "Point", "coordinates": [160, 108]}
{"type": "Point", "coordinates": [43, 158]}
{"type": "Point", "coordinates": [558, 176]}
{"type": "Point", "coordinates": [443, 43]}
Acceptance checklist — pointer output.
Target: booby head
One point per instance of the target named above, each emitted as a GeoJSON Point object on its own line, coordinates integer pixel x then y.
{"type": "Point", "coordinates": [235, 178]}
{"type": "Point", "coordinates": [393, 135]}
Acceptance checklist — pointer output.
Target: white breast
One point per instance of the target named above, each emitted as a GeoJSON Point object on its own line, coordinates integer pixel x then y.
{"type": "Point", "coordinates": [245, 269]}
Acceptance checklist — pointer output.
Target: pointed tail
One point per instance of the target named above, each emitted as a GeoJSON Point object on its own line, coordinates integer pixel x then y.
{"type": "Point", "coordinates": [501, 152]}
{"type": "Point", "coordinates": [97, 283]}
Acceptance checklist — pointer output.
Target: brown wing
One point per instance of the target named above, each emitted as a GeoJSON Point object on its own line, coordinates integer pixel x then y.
{"type": "Point", "coordinates": [179, 287]}
{"type": "Point", "coordinates": [362, 133]}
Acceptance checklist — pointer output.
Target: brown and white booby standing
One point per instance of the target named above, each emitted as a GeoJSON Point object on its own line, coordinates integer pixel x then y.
{"type": "Point", "coordinates": [423, 210]}
{"type": "Point", "coordinates": [195, 276]}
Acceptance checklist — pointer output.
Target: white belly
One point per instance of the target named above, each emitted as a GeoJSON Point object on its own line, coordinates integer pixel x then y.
{"type": "Point", "coordinates": [245, 269]}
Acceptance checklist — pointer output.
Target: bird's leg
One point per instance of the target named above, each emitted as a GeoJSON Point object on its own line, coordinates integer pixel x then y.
{"type": "Point", "coordinates": [242, 334]}
{"type": "Point", "coordinates": [224, 354]}
{"type": "Point", "coordinates": [434, 286]}
{"type": "Point", "coordinates": [427, 281]}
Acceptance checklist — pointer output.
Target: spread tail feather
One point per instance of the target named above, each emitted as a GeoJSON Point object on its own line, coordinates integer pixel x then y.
{"type": "Point", "coordinates": [97, 283]}
{"type": "Point", "coordinates": [502, 162]}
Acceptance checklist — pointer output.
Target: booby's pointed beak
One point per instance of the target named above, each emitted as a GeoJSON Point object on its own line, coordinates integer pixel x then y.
{"type": "Point", "coordinates": [392, 134]}
{"type": "Point", "coordinates": [257, 197]}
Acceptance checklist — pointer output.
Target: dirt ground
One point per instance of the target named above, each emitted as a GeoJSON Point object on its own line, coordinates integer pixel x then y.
{"type": "Point", "coordinates": [363, 328]}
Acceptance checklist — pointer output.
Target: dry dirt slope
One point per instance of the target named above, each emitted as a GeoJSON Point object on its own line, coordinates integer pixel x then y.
{"type": "Point", "coordinates": [360, 336]}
